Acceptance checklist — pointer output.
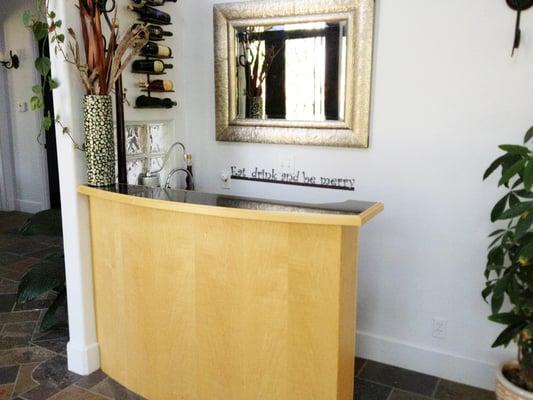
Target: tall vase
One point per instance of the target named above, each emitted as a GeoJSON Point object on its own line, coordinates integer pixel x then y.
{"type": "Point", "coordinates": [255, 107]}
{"type": "Point", "coordinates": [99, 140]}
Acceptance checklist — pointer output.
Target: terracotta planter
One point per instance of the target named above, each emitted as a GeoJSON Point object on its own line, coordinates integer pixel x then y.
{"type": "Point", "coordinates": [99, 140]}
{"type": "Point", "coordinates": [505, 390]}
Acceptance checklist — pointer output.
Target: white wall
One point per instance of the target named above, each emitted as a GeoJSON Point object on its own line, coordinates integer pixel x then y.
{"type": "Point", "coordinates": [445, 94]}
{"type": "Point", "coordinates": [31, 176]}
{"type": "Point", "coordinates": [7, 167]}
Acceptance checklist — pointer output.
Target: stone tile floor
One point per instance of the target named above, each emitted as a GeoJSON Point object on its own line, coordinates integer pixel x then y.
{"type": "Point", "coordinates": [33, 365]}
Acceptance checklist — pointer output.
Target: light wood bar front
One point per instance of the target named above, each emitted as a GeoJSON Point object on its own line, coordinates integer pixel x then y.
{"type": "Point", "coordinates": [205, 302]}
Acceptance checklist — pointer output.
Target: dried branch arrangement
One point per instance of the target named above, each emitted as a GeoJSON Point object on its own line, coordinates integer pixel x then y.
{"type": "Point", "coordinates": [103, 64]}
{"type": "Point", "coordinates": [102, 61]}
{"type": "Point", "coordinates": [256, 64]}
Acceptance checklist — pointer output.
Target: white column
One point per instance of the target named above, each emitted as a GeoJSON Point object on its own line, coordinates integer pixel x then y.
{"type": "Point", "coordinates": [82, 350]}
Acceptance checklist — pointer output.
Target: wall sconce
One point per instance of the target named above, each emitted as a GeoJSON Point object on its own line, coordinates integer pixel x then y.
{"type": "Point", "coordinates": [518, 6]}
{"type": "Point", "coordinates": [12, 63]}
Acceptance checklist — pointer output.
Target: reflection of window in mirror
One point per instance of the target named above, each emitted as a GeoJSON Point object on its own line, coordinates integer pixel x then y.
{"type": "Point", "coordinates": [295, 72]}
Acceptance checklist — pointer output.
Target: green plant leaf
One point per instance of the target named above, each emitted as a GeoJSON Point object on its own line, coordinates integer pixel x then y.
{"type": "Point", "coordinates": [496, 256]}
{"type": "Point", "coordinates": [487, 291]}
{"type": "Point", "coordinates": [496, 240]}
{"type": "Point", "coordinates": [53, 84]}
{"type": "Point", "coordinates": [46, 275]}
{"type": "Point", "coordinates": [525, 194]}
{"type": "Point", "coordinates": [527, 251]}
{"type": "Point", "coordinates": [37, 89]}
{"type": "Point", "coordinates": [43, 65]}
{"type": "Point", "coordinates": [46, 222]}
{"type": "Point", "coordinates": [523, 226]}
{"type": "Point", "coordinates": [528, 175]}
{"type": "Point", "coordinates": [517, 210]}
{"type": "Point", "coordinates": [495, 164]}
{"type": "Point", "coordinates": [514, 290]}
{"type": "Point", "coordinates": [506, 318]}
{"type": "Point", "coordinates": [36, 102]}
{"type": "Point", "coordinates": [512, 171]}
{"type": "Point", "coordinates": [508, 334]}
{"type": "Point", "coordinates": [499, 293]}
{"type": "Point", "coordinates": [499, 208]}
{"type": "Point", "coordinates": [515, 149]}
{"type": "Point", "coordinates": [497, 232]}
{"type": "Point", "coordinates": [527, 304]}
{"type": "Point", "coordinates": [513, 199]}
{"type": "Point", "coordinates": [26, 18]}
{"type": "Point", "coordinates": [47, 123]}
{"type": "Point", "coordinates": [56, 315]}
{"type": "Point", "coordinates": [529, 135]}
{"type": "Point", "coordinates": [40, 30]}
{"type": "Point", "coordinates": [517, 183]}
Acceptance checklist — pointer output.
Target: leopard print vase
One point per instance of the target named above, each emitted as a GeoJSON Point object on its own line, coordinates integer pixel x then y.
{"type": "Point", "coordinates": [255, 107]}
{"type": "Point", "coordinates": [99, 140]}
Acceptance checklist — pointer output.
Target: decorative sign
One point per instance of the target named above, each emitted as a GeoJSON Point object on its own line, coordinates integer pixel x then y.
{"type": "Point", "coordinates": [300, 178]}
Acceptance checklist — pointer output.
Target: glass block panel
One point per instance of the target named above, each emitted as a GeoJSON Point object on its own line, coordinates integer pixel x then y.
{"type": "Point", "coordinates": [155, 163]}
{"type": "Point", "coordinates": [135, 139]}
{"type": "Point", "coordinates": [156, 135]}
{"type": "Point", "coordinates": [135, 168]}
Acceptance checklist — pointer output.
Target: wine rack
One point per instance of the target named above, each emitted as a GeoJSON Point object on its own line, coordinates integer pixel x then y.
{"type": "Point", "coordinates": [148, 91]}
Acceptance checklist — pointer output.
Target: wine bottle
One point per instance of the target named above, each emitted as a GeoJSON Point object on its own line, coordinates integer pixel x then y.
{"type": "Point", "coordinates": [150, 66]}
{"type": "Point", "coordinates": [189, 179]}
{"type": "Point", "coordinates": [158, 85]}
{"type": "Point", "coordinates": [154, 2]}
{"type": "Point", "coordinates": [156, 32]}
{"type": "Point", "coordinates": [154, 102]}
{"type": "Point", "coordinates": [151, 14]}
{"type": "Point", "coordinates": [152, 49]}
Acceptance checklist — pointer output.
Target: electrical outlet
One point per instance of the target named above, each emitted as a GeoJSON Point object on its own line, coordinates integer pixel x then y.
{"type": "Point", "coordinates": [225, 177]}
{"type": "Point", "coordinates": [440, 327]}
{"type": "Point", "coordinates": [22, 106]}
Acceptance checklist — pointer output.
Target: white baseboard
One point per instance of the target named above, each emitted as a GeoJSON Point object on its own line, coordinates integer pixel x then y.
{"type": "Point", "coordinates": [428, 361]}
{"type": "Point", "coordinates": [28, 206]}
{"type": "Point", "coordinates": [83, 360]}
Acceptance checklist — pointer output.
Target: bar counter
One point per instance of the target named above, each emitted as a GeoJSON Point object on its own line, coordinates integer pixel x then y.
{"type": "Point", "coordinates": [203, 296]}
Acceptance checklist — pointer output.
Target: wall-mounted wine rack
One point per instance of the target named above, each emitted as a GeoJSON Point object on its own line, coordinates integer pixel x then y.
{"type": "Point", "coordinates": [147, 100]}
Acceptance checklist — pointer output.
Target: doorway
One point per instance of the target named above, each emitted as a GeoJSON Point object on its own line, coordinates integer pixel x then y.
{"type": "Point", "coordinates": [50, 136]}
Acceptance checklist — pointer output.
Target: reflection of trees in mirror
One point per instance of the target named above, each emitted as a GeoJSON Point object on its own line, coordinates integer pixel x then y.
{"type": "Point", "coordinates": [47, 277]}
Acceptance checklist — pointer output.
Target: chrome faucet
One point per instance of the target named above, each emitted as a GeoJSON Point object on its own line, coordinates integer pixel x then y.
{"type": "Point", "coordinates": [175, 171]}
{"type": "Point", "coordinates": [153, 179]}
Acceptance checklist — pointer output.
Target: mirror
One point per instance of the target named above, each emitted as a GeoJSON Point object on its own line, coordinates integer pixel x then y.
{"type": "Point", "coordinates": [294, 71]}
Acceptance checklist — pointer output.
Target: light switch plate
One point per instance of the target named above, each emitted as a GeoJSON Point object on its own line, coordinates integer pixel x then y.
{"type": "Point", "coordinates": [225, 178]}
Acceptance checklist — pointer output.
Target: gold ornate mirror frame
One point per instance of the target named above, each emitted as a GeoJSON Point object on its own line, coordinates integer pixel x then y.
{"type": "Point", "coordinates": [353, 131]}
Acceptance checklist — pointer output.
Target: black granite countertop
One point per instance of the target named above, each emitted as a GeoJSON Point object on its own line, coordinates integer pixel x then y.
{"type": "Point", "coordinates": [350, 207]}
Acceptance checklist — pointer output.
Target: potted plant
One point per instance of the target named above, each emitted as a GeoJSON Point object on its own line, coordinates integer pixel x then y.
{"type": "Point", "coordinates": [100, 63]}
{"type": "Point", "coordinates": [509, 270]}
